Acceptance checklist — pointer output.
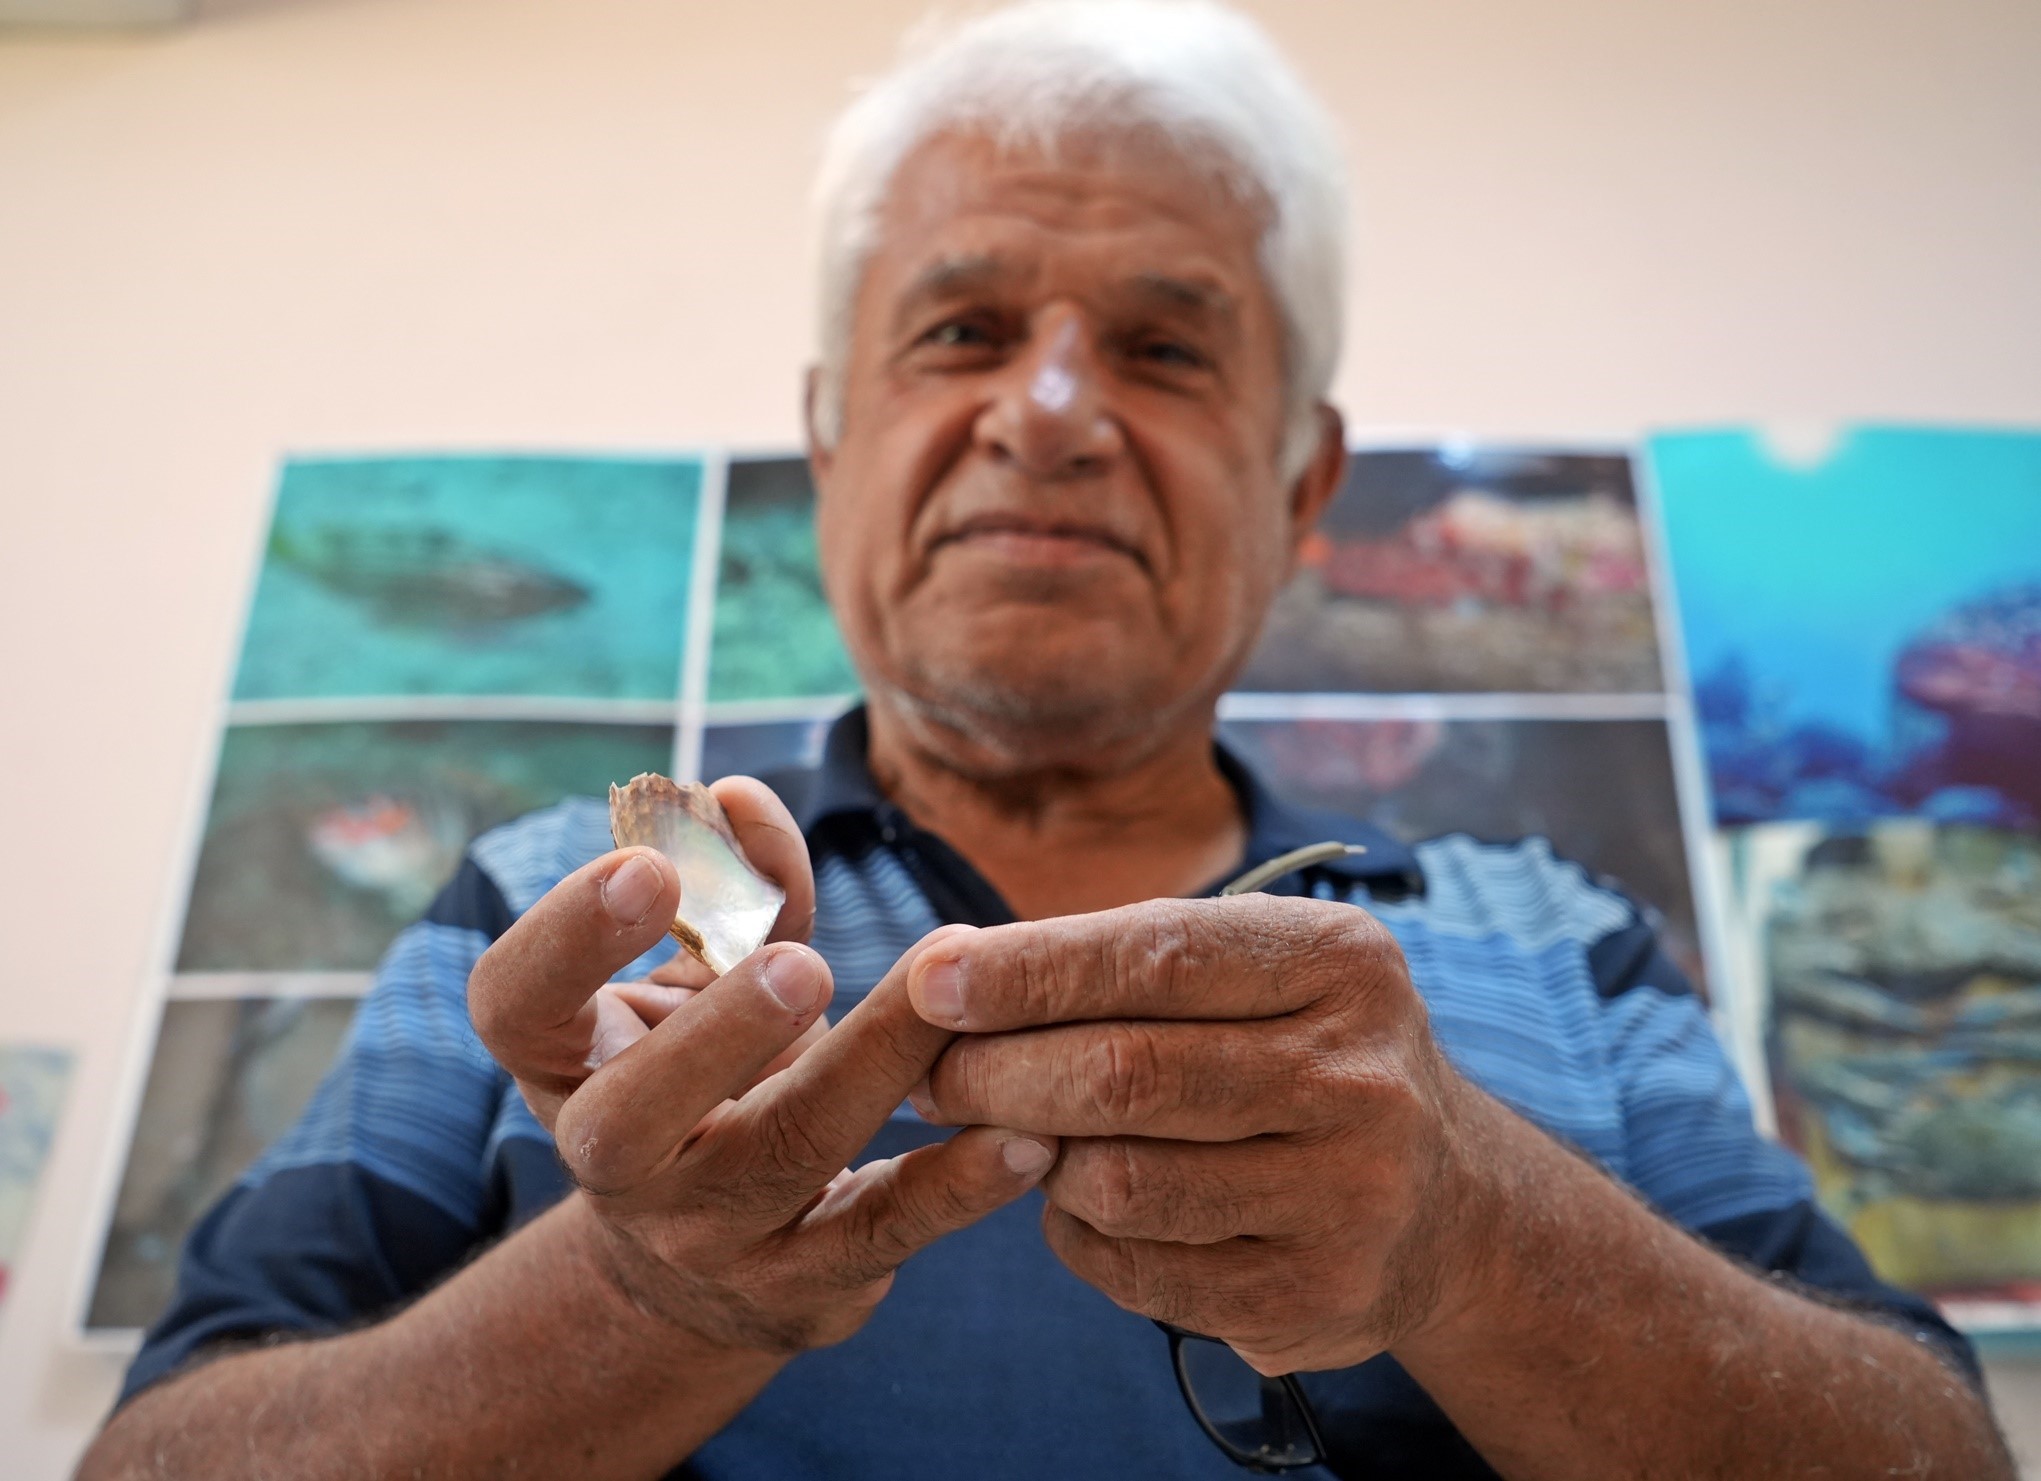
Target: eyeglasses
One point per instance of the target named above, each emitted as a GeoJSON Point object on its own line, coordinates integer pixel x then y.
{"type": "Point", "coordinates": [1264, 1424]}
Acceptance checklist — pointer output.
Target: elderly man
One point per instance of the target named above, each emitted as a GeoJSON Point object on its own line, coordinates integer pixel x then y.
{"type": "Point", "coordinates": [1437, 1129]}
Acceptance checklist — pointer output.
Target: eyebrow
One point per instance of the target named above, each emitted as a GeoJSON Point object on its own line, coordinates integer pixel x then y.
{"type": "Point", "coordinates": [972, 273]}
{"type": "Point", "coordinates": [952, 277]}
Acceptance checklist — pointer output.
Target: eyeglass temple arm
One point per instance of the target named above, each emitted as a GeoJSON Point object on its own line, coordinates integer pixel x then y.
{"type": "Point", "coordinates": [1282, 864]}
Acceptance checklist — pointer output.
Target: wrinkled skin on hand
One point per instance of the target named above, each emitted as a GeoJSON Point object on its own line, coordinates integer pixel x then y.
{"type": "Point", "coordinates": [1259, 1136]}
{"type": "Point", "coordinates": [709, 1126]}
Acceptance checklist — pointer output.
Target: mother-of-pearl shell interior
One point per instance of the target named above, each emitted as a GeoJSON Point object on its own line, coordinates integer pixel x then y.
{"type": "Point", "coordinates": [727, 908]}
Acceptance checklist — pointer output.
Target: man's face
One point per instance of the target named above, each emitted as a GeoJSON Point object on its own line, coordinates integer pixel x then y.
{"type": "Point", "coordinates": [1053, 516]}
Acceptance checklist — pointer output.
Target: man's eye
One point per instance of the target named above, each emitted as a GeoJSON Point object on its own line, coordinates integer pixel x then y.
{"type": "Point", "coordinates": [1169, 352]}
{"type": "Point", "coordinates": [957, 334]}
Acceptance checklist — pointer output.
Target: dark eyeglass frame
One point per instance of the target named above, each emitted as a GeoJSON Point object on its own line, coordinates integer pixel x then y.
{"type": "Point", "coordinates": [1274, 1457]}
{"type": "Point", "coordinates": [1275, 1392]}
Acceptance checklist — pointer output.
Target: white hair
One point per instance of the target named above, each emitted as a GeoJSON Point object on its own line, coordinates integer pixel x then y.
{"type": "Point", "coordinates": [1202, 77]}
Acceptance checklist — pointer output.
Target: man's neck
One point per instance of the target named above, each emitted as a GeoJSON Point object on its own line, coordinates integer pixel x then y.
{"type": "Point", "coordinates": [1070, 838]}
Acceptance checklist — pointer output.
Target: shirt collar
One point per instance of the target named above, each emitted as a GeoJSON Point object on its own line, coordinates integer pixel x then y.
{"type": "Point", "coordinates": [843, 784]}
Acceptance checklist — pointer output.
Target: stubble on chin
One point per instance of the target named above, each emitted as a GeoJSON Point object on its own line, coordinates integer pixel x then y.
{"type": "Point", "coordinates": [989, 726]}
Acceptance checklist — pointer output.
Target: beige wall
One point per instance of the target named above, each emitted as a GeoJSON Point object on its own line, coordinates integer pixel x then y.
{"type": "Point", "coordinates": [578, 223]}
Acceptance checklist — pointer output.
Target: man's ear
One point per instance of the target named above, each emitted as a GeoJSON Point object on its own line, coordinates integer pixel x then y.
{"type": "Point", "coordinates": [1316, 486]}
{"type": "Point", "coordinates": [820, 454]}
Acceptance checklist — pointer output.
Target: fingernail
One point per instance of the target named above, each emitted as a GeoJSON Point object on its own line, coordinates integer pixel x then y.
{"type": "Point", "coordinates": [1024, 1158]}
{"type": "Point", "coordinates": [629, 893]}
{"type": "Point", "coordinates": [942, 991]}
{"type": "Point", "coordinates": [791, 977]}
{"type": "Point", "coordinates": [922, 1100]}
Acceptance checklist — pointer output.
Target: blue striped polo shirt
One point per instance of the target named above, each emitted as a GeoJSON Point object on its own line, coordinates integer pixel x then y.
{"type": "Point", "coordinates": [988, 1359]}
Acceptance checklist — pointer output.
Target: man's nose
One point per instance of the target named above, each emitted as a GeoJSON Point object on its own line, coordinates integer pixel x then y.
{"type": "Point", "coordinates": [1049, 416]}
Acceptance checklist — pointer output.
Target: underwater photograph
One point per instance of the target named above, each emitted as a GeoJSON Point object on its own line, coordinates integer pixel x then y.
{"type": "Point", "coordinates": [33, 1078]}
{"type": "Point", "coordinates": [761, 748]}
{"type": "Point", "coordinates": [1904, 970]}
{"type": "Point", "coordinates": [1862, 621]}
{"type": "Point", "coordinates": [1457, 569]}
{"type": "Point", "coordinates": [229, 1075]}
{"type": "Point", "coordinates": [774, 637]}
{"type": "Point", "coordinates": [448, 575]}
{"type": "Point", "coordinates": [1601, 790]}
{"type": "Point", "coordinates": [323, 841]}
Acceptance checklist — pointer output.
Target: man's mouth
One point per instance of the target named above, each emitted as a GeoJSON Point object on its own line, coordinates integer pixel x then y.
{"type": "Point", "coordinates": [1038, 542]}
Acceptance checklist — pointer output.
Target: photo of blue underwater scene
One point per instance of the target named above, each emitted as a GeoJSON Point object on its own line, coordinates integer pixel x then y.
{"type": "Point", "coordinates": [228, 1077]}
{"type": "Point", "coordinates": [774, 635]}
{"type": "Point", "coordinates": [1862, 620]}
{"type": "Point", "coordinates": [1460, 568]}
{"type": "Point", "coordinates": [1903, 959]}
{"type": "Point", "coordinates": [33, 1078]}
{"type": "Point", "coordinates": [323, 841]}
{"type": "Point", "coordinates": [564, 577]}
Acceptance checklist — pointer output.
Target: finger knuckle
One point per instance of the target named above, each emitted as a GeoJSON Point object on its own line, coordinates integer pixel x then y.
{"type": "Point", "coordinates": [883, 1237]}
{"type": "Point", "coordinates": [485, 1004]}
{"type": "Point", "coordinates": [794, 1141]}
{"type": "Point", "coordinates": [938, 1208]}
{"type": "Point", "coordinates": [1041, 978]}
{"type": "Point", "coordinates": [594, 1156]}
{"type": "Point", "coordinates": [1368, 952]}
{"type": "Point", "coordinates": [960, 1079]}
{"type": "Point", "coordinates": [1127, 1077]}
{"type": "Point", "coordinates": [1164, 949]}
{"type": "Point", "coordinates": [1113, 1193]}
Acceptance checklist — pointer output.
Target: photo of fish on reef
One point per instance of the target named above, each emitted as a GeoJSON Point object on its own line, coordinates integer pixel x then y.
{"type": "Point", "coordinates": [1601, 790]}
{"type": "Point", "coordinates": [1862, 621]}
{"type": "Point", "coordinates": [775, 638]}
{"type": "Point", "coordinates": [1457, 569]}
{"type": "Point", "coordinates": [229, 1075]}
{"type": "Point", "coordinates": [323, 841]}
{"type": "Point", "coordinates": [455, 575]}
{"type": "Point", "coordinates": [1903, 967]}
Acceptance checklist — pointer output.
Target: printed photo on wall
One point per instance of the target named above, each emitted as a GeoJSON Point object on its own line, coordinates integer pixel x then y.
{"type": "Point", "coordinates": [1600, 790]}
{"type": "Point", "coordinates": [774, 636]}
{"type": "Point", "coordinates": [32, 1082]}
{"type": "Point", "coordinates": [1903, 965]}
{"type": "Point", "coordinates": [229, 1075]}
{"type": "Point", "coordinates": [759, 750]}
{"type": "Point", "coordinates": [1457, 568]}
{"type": "Point", "coordinates": [323, 841]}
{"type": "Point", "coordinates": [445, 575]}
{"type": "Point", "coordinates": [1861, 615]}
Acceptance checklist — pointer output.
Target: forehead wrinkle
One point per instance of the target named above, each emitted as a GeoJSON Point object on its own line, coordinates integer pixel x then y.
{"type": "Point", "coordinates": [1184, 293]}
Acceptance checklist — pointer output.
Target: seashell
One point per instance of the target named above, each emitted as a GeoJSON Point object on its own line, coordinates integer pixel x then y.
{"type": "Point", "coordinates": [727, 907]}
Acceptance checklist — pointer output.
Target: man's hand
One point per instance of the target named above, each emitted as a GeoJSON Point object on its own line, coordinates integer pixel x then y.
{"type": "Point", "coordinates": [710, 1149]}
{"type": "Point", "coordinates": [1259, 1131]}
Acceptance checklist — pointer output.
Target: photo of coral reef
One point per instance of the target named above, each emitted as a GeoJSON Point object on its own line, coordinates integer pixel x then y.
{"type": "Point", "coordinates": [1452, 569]}
{"type": "Point", "coordinates": [1862, 621]}
{"type": "Point", "coordinates": [229, 1076]}
{"type": "Point", "coordinates": [1904, 962]}
{"type": "Point", "coordinates": [774, 636]}
{"type": "Point", "coordinates": [323, 841]}
{"type": "Point", "coordinates": [1601, 790]}
{"type": "Point", "coordinates": [562, 577]}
